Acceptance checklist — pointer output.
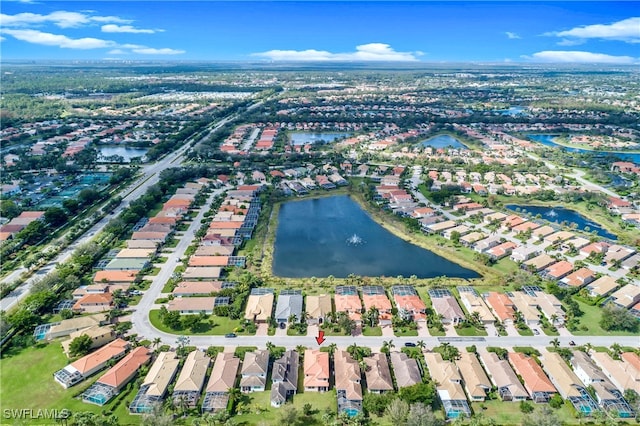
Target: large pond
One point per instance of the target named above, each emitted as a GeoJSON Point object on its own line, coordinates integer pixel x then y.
{"type": "Point", "coordinates": [126, 152]}
{"type": "Point", "coordinates": [547, 140]}
{"type": "Point", "coordinates": [560, 214]}
{"type": "Point", "coordinates": [334, 236]}
{"type": "Point", "coordinates": [444, 141]}
{"type": "Point", "coordinates": [303, 138]}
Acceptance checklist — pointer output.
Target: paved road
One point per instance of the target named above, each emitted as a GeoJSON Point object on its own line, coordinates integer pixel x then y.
{"type": "Point", "coordinates": [140, 316]}
{"type": "Point", "coordinates": [150, 175]}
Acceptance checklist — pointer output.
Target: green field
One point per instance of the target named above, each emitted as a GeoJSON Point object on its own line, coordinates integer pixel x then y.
{"type": "Point", "coordinates": [34, 387]}
{"type": "Point", "coordinates": [213, 326]}
{"type": "Point", "coordinates": [591, 321]}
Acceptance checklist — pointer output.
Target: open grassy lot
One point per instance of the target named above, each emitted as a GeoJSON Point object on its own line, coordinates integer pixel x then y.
{"type": "Point", "coordinates": [213, 326]}
{"type": "Point", "coordinates": [508, 413]}
{"type": "Point", "coordinates": [261, 411]}
{"type": "Point", "coordinates": [26, 382]}
{"type": "Point", "coordinates": [372, 331]}
{"type": "Point", "coordinates": [591, 321]}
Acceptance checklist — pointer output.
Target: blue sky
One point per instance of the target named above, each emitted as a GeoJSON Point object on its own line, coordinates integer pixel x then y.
{"type": "Point", "coordinates": [578, 32]}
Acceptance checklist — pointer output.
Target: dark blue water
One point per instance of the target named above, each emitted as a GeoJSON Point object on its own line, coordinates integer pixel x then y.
{"type": "Point", "coordinates": [312, 241]}
{"type": "Point", "coordinates": [443, 141]}
{"type": "Point", "coordinates": [302, 138]}
{"type": "Point", "coordinates": [547, 140]}
{"type": "Point", "coordinates": [560, 214]}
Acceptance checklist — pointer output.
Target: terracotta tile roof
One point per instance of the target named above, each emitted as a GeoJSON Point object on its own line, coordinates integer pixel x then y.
{"type": "Point", "coordinates": [126, 368]}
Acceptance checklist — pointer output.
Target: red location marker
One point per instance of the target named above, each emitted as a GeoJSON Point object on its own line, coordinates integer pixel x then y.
{"type": "Point", "coordinates": [320, 337]}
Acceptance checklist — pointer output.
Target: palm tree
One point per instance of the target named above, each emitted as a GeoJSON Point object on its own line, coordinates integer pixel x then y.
{"type": "Point", "coordinates": [554, 318]}
{"type": "Point", "coordinates": [300, 349]}
{"type": "Point", "coordinates": [616, 350]}
{"type": "Point", "coordinates": [555, 343]}
{"type": "Point", "coordinates": [421, 344]}
{"type": "Point", "coordinates": [292, 318]}
{"type": "Point", "coordinates": [387, 345]}
{"type": "Point", "coordinates": [270, 346]}
{"type": "Point", "coordinates": [332, 348]}
{"type": "Point", "coordinates": [234, 395]}
{"type": "Point", "coordinates": [156, 343]}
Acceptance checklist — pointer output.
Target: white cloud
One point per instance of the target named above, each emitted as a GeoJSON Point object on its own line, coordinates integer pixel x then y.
{"type": "Point", "coordinates": [153, 51]}
{"type": "Point", "coordinates": [62, 41]}
{"type": "Point", "coordinates": [579, 57]}
{"type": "Point", "coordinates": [48, 39]}
{"type": "Point", "coordinates": [512, 35]}
{"type": "Point", "coordinates": [364, 52]}
{"type": "Point", "coordinates": [61, 18]}
{"type": "Point", "coordinates": [570, 42]}
{"type": "Point", "coordinates": [113, 28]}
{"type": "Point", "coordinates": [627, 30]}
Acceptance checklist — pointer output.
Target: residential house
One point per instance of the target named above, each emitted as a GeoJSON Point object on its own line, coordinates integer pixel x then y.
{"type": "Point", "coordinates": [348, 301]}
{"type": "Point", "coordinates": [99, 335]}
{"type": "Point", "coordinates": [347, 383]}
{"type": "Point", "coordinates": [259, 305]}
{"type": "Point", "coordinates": [155, 384]}
{"type": "Point", "coordinates": [193, 305]}
{"type": "Point", "coordinates": [378, 374]}
{"type": "Point", "coordinates": [203, 273]}
{"type": "Point", "coordinates": [474, 303]}
{"type": "Point", "coordinates": [191, 379]}
{"type": "Point", "coordinates": [197, 288]}
{"type": "Point", "coordinates": [376, 297]}
{"type": "Point", "coordinates": [405, 370]}
{"type": "Point", "coordinates": [284, 376]}
{"type": "Point", "coordinates": [289, 305]}
{"type": "Point", "coordinates": [408, 303]}
{"type": "Point", "coordinates": [89, 364]}
{"type": "Point", "coordinates": [602, 286]}
{"type": "Point", "coordinates": [112, 382]}
{"type": "Point", "coordinates": [502, 306]}
{"type": "Point", "coordinates": [607, 395]}
{"type": "Point", "coordinates": [446, 306]}
{"type": "Point", "coordinates": [557, 271]}
{"type": "Point", "coordinates": [448, 385]}
{"type": "Point", "coordinates": [316, 371]}
{"type": "Point", "coordinates": [620, 372]}
{"type": "Point", "coordinates": [503, 377]}
{"type": "Point", "coordinates": [524, 253]}
{"type": "Point", "coordinates": [535, 381]}
{"type": "Point", "coordinates": [71, 325]}
{"type": "Point", "coordinates": [92, 303]}
{"type": "Point", "coordinates": [568, 384]}
{"type": "Point", "coordinates": [501, 250]}
{"type": "Point", "coordinates": [223, 378]}
{"type": "Point", "coordinates": [539, 263]}
{"type": "Point", "coordinates": [475, 380]}
{"type": "Point", "coordinates": [317, 308]}
{"type": "Point", "coordinates": [115, 277]}
{"type": "Point", "coordinates": [579, 278]}
{"type": "Point", "coordinates": [254, 371]}
{"type": "Point", "coordinates": [626, 296]}
{"type": "Point", "coordinates": [487, 243]}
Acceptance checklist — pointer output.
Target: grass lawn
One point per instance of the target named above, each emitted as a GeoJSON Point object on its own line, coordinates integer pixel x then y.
{"type": "Point", "coordinates": [525, 332]}
{"type": "Point", "coordinates": [402, 332]}
{"type": "Point", "coordinates": [470, 331]}
{"type": "Point", "coordinates": [330, 332]}
{"type": "Point", "coordinates": [591, 321]}
{"type": "Point", "coordinates": [372, 331]}
{"type": "Point", "coordinates": [436, 332]}
{"type": "Point", "coordinates": [214, 326]}
{"type": "Point", "coordinates": [508, 413]}
{"type": "Point", "coordinates": [263, 412]}
{"type": "Point", "coordinates": [35, 388]}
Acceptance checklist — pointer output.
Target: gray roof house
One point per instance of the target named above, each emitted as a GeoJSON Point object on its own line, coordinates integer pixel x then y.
{"type": "Point", "coordinates": [284, 375]}
{"type": "Point", "coordinates": [254, 371]}
{"type": "Point", "coordinates": [289, 303]}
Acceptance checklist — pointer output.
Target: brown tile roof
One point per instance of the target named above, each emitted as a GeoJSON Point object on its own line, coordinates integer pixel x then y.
{"type": "Point", "coordinates": [534, 378]}
{"type": "Point", "coordinates": [126, 368]}
{"type": "Point", "coordinates": [101, 356]}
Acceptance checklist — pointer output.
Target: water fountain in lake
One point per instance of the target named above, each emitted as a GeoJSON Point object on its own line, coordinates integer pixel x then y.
{"type": "Point", "coordinates": [552, 213]}
{"type": "Point", "coordinates": [354, 240]}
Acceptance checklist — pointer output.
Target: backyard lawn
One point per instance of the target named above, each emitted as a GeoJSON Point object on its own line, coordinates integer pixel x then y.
{"type": "Point", "coordinates": [35, 388]}
{"type": "Point", "coordinates": [591, 321]}
{"type": "Point", "coordinates": [508, 413]}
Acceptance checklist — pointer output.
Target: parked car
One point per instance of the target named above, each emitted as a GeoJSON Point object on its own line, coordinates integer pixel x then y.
{"type": "Point", "coordinates": [572, 343]}
{"type": "Point", "coordinates": [230, 335]}
{"type": "Point", "coordinates": [410, 344]}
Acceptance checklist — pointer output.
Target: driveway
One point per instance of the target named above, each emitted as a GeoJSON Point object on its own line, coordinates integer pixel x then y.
{"type": "Point", "coordinates": [262, 329]}
{"type": "Point", "coordinates": [387, 331]}
{"type": "Point", "coordinates": [423, 330]}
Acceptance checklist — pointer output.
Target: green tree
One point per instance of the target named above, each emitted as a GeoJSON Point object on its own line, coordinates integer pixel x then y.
{"type": "Point", "coordinates": [80, 345]}
{"type": "Point", "coordinates": [55, 216]}
{"type": "Point", "coordinates": [542, 417]}
{"type": "Point", "coordinates": [420, 392]}
{"type": "Point", "coordinates": [397, 411]}
{"type": "Point", "coordinates": [421, 415]}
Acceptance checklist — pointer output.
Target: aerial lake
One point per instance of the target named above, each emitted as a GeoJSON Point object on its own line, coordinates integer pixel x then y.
{"type": "Point", "coordinates": [560, 214]}
{"type": "Point", "coordinates": [444, 141]}
{"type": "Point", "coordinates": [302, 138]}
{"type": "Point", "coordinates": [334, 236]}
{"type": "Point", "coordinates": [547, 140]}
{"type": "Point", "coordinates": [126, 152]}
